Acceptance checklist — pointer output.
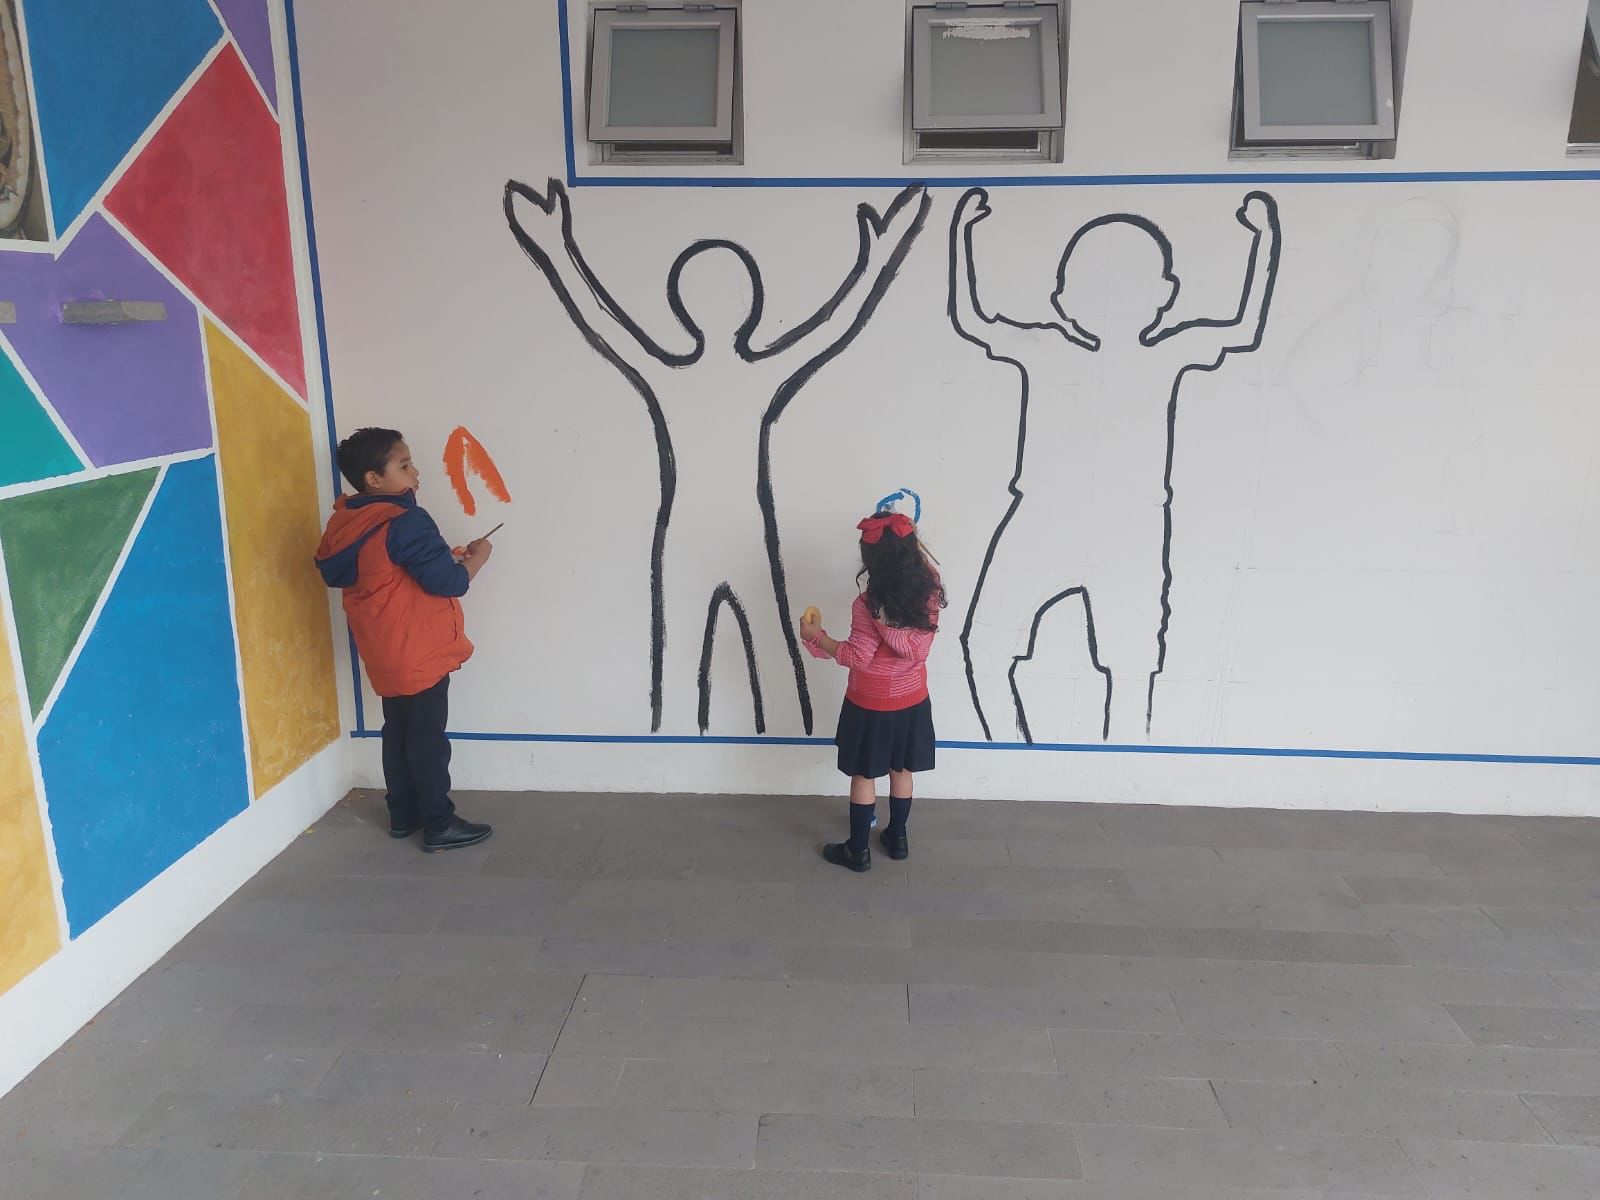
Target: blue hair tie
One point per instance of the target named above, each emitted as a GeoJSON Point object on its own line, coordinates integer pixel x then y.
{"type": "Point", "coordinates": [887, 503]}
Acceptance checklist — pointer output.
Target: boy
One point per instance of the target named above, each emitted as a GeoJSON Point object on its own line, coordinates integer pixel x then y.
{"type": "Point", "coordinates": [401, 581]}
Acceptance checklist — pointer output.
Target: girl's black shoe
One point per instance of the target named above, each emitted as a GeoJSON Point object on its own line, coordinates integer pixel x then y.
{"type": "Point", "coordinates": [840, 855]}
{"type": "Point", "coordinates": [895, 845]}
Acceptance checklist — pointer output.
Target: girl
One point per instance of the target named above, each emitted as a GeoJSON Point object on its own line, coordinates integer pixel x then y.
{"type": "Point", "coordinates": [886, 725]}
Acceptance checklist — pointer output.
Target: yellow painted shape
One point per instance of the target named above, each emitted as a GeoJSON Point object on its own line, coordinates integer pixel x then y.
{"type": "Point", "coordinates": [27, 896]}
{"type": "Point", "coordinates": [280, 604]}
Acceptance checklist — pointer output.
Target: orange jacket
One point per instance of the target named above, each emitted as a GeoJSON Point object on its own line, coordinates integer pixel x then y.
{"type": "Point", "coordinates": [400, 585]}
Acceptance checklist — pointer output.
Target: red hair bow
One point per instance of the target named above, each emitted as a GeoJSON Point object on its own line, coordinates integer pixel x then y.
{"type": "Point", "coordinates": [896, 523]}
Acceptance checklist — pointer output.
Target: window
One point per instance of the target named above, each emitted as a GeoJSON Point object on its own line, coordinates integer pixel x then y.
{"type": "Point", "coordinates": [1583, 135]}
{"type": "Point", "coordinates": [1314, 75]}
{"type": "Point", "coordinates": [984, 81]}
{"type": "Point", "coordinates": [664, 84]}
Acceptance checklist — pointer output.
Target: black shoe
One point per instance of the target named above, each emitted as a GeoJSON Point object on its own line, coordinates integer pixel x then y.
{"type": "Point", "coordinates": [403, 831]}
{"type": "Point", "coordinates": [894, 845]}
{"type": "Point", "coordinates": [455, 835]}
{"type": "Point", "coordinates": [840, 855]}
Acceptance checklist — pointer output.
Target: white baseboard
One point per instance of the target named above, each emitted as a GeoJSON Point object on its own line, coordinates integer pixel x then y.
{"type": "Point", "coordinates": [1521, 789]}
{"type": "Point", "coordinates": [47, 1007]}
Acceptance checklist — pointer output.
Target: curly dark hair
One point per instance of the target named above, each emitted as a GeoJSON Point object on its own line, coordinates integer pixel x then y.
{"type": "Point", "coordinates": [901, 580]}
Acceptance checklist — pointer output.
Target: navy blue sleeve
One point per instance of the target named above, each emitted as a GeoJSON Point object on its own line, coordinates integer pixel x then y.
{"type": "Point", "coordinates": [416, 544]}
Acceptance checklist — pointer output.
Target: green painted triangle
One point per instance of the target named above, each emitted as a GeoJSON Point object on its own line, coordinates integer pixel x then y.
{"type": "Point", "coordinates": [60, 546]}
{"type": "Point", "coordinates": [32, 448]}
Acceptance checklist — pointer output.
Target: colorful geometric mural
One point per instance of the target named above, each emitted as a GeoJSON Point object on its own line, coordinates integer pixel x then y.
{"type": "Point", "coordinates": [127, 392]}
{"type": "Point", "coordinates": [60, 548]}
{"type": "Point", "coordinates": [269, 482]}
{"type": "Point", "coordinates": [33, 447]}
{"type": "Point", "coordinates": [156, 657]}
{"type": "Point", "coordinates": [207, 199]}
{"type": "Point", "coordinates": [102, 71]}
{"type": "Point", "coordinates": [251, 26]}
{"type": "Point", "coordinates": [27, 896]}
{"type": "Point", "coordinates": [143, 753]}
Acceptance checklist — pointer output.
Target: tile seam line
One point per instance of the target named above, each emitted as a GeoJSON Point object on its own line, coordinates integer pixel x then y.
{"type": "Point", "coordinates": [556, 1041]}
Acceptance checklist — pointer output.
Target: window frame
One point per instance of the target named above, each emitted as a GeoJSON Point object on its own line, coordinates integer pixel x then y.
{"type": "Point", "coordinates": [651, 140]}
{"type": "Point", "coordinates": [1378, 15]}
{"type": "Point", "coordinates": [1052, 17]}
{"type": "Point", "coordinates": [925, 17]}
{"type": "Point", "coordinates": [1588, 63]}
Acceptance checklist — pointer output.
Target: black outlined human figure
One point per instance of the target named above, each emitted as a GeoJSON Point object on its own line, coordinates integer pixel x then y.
{"type": "Point", "coordinates": [716, 543]}
{"type": "Point", "coordinates": [1090, 517]}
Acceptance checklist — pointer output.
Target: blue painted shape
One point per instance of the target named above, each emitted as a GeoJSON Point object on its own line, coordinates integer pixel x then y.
{"type": "Point", "coordinates": [143, 753]}
{"type": "Point", "coordinates": [888, 502]}
{"type": "Point", "coordinates": [32, 447]}
{"type": "Point", "coordinates": [1224, 178]}
{"type": "Point", "coordinates": [102, 71]}
{"type": "Point", "coordinates": [566, 90]}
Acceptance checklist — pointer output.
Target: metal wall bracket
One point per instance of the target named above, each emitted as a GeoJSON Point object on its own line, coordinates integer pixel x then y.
{"type": "Point", "coordinates": [112, 312]}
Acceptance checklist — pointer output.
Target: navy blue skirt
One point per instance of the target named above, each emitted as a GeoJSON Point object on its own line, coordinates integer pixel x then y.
{"type": "Point", "coordinates": [871, 743]}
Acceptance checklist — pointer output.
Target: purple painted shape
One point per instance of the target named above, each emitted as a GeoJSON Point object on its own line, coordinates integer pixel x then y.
{"type": "Point", "coordinates": [252, 29]}
{"type": "Point", "coordinates": [127, 392]}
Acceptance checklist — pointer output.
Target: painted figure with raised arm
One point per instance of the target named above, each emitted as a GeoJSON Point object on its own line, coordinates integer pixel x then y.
{"type": "Point", "coordinates": [1090, 518]}
{"type": "Point", "coordinates": [712, 405]}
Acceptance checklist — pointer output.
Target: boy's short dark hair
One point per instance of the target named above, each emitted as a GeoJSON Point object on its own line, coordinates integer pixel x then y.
{"type": "Point", "coordinates": [366, 450]}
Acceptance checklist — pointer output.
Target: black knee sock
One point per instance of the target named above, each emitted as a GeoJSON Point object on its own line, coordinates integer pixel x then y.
{"type": "Point", "coordinates": [860, 826]}
{"type": "Point", "coordinates": [899, 813]}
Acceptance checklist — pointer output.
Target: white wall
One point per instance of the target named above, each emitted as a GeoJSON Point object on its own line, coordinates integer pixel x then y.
{"type": "Point", "coordinates": [1383, 519]}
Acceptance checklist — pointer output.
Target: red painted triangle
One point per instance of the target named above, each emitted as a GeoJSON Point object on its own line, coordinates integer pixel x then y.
{"type": "Point", "coordinates": [207, 198]}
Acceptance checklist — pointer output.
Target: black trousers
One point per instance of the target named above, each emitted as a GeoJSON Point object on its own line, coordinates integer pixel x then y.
{"type": "Point", "coordinates": [416, 758]}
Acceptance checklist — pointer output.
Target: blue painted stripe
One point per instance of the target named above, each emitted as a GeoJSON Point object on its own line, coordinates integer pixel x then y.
{"type": "Point", "coordinates": [316, 300]}
{"type": "Point", "coordinates": [1087, 180]}
{"type": "Point", "coordinates": [311, 235]}
{"type": "Point", "coordinates": [1003, 181]}
{"type": "Point", "coordinates": [646, 739]}
{"type": "Point", "coordinates": [566, 94]}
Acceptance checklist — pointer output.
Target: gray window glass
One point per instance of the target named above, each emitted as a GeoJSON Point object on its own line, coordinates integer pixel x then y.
{"type": "Point", "coordinates": [663, 77]}
{"type": "Point", "coordinates": [1316, 72]}
{"type": "Point", "coordinates": [979, 68]}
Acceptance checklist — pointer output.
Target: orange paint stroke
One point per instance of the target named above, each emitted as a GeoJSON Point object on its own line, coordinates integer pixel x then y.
{"type": "Point", "coordinates": [463, 451]}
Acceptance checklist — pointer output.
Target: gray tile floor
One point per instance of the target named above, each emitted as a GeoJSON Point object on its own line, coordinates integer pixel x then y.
{"type": "Point", "coordinates": [673, 998]}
